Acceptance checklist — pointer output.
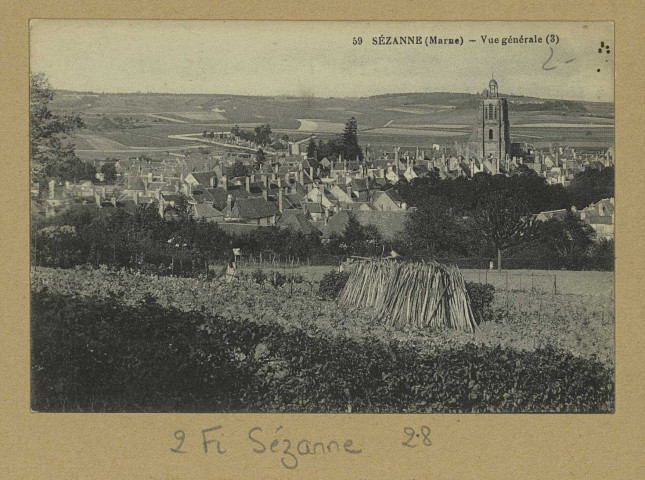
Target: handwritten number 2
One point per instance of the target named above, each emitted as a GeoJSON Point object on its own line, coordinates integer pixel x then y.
{"type": "Point", "coordinates": [180, 435]}
{"type": "Point", "coordinates": [409, 431]}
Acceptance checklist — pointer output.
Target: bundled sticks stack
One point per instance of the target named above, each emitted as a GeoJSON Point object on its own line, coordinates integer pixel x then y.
{"type": "Point", "coordinates": [415, 294]}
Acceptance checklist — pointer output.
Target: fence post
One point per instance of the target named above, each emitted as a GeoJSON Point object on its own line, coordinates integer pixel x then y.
{"type": "Point", "coordinates": [555, 284]}
{"type": "Point", "coordinates": [520, 282]}
{"type": "Point", "coordinates": [506, 280]}
{"type": "Point", "coordinates": [531, 281]}
{"type": "Point", "coordinates": [486, 277]}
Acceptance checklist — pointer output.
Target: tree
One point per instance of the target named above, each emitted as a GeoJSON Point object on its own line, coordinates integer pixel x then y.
{"type": "Point", "coordinates": [590, 186]}
{"type": "Point", "coordinates": [350, 147]}
{"type": "Point", "coordinates": [70, 169]}
{"type": "Point", "coordinates": [108, 169]}
{"type": "Point", "coordinates": [260, 156]}
{"type": "Point", "coordinates": [239, 169]}
{"type": "Point", "coordinates": [435, 228]}
{"type": "Point", "coordinates": [567, 237]}
{"type": "Point", "coordinates": [357, 239]}
{"type": "Point", "coordinates": [263, 134]}
{"type": "Point", "coordinates": [311, 148]}
{"type": "Point", "coordinates": [501, 218]}
{"type": "Point", "coordinates": [48, 131]}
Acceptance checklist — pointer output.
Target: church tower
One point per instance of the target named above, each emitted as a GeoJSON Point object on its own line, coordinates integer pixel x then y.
{"type": "Point", "coordinates": [493, 133]}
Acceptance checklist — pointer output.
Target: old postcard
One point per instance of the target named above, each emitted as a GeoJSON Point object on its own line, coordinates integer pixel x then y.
{"type": "Point", "coordinates": [401, 229]}
{"type": "Point", "coordinates": [398, 217]}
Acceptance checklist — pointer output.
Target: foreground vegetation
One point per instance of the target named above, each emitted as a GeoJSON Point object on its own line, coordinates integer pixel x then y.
{"type": "Point", "coordinates": [116, 340]}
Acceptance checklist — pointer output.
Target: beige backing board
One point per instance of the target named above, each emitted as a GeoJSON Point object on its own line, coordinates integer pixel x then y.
{"type": "Point", "coordinates": [48, 445]}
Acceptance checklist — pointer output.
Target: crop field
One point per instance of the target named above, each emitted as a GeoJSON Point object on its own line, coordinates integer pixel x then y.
{"type": "Point", "coordinates": [322, 126]}
{"type": "Point", "coordinates": [101, 142]}
{"type": "Point", "coordinates": [578, 323]}
{"type": "Point", "coordinates": [207, 345]}
{"type": "Point", "coordinates": [132, 138]}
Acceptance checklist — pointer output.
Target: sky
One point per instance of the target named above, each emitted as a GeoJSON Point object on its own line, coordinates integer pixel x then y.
{"type": "Point", "coordinates": [320, 59]}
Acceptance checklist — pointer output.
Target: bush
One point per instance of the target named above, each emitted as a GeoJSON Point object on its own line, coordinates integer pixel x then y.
{"type": "Point", "coordinates": [332, 284]}
{"type": "Point", "coordinates": [89, 354]}
{"type": "Point", "coordinates": [258, 276]}
{"type": "Point", "coordinates": [277, 279]}
{"type": "Point", "coordinates": [481, 300]}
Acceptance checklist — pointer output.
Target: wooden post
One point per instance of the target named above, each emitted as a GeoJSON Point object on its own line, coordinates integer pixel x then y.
{"type": "Point", "coordinates": [555, 284]}
{"type": "Point", "coordinates": [531, 281]}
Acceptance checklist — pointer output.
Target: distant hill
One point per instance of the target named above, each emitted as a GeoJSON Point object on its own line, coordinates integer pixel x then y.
{"type": "Point", "coordinates": [124, 121]}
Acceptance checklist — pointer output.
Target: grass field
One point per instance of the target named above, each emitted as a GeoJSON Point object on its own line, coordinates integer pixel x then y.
{"type": "Point", "coordinates": [585, 283]}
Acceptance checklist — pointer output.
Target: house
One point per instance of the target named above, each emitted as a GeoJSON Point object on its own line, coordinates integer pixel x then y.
{"type": "Point", "coordinates": [600, 216]}
{"type": "Point", "coordinates": [203, 179]}
{"type": "Point", "coordinates": [322, 196]}
{"type": "Point", "coordinates": [296, 221]}
{"type": "Point", "coordinates": [342, 195]}
{"type": "Point", "coordinates": [255, 210]}
{"type": "Point", "coordinates": [207, 212]}
{"type": "Point", "coordinates": [315, 211]}
{"type": "Point", "coordinates": [388, 200]}
{"type": "Point", "coordinates": [360, 189]}
{"type": "Point", "coordinates": [552, 214]}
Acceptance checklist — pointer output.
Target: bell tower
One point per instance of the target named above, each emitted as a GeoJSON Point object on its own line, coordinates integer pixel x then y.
{"type": "Point", "coordinates": [494, 141]}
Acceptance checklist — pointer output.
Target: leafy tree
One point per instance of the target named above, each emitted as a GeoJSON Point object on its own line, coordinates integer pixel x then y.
{"type": "Point", "coordinates": [48, 131]}
{"type": "Point", "coordinates": [357, 239]}
{"type": "Point", "coordinates": [590, 186]}
{"type": "Point", "coordinates": [239, 169]}
{"type": "Point", "coordinates": [108, 169]}
{"type": "Point", "coordinates": [435, 228]}
{"type": "Point", "coordinates": [263, 134]}
{"type": "Point", "coordinates": [501, 219]}
{"type": "Point", "coordinates": [566, 237]}
{"type": "Point", "coordinates": [70, 169]}
{"type": "Point", "coordinates": [260, 156]}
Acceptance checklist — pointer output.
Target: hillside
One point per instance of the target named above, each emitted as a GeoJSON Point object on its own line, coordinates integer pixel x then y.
{"type": "Point", "coordinates": [144, 121]}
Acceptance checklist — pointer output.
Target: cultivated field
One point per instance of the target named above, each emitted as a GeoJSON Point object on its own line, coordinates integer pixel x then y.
{"type": "Point", "coordinates": [125, 341]}
{"type": "Point", "coordinates": [406, 120]}
{"type": "Point", "coordinates": [580, 324]}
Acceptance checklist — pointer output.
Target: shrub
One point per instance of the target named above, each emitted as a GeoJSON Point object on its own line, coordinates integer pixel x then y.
{"type": "Point", "coordinates": [258, 276]}
{"type": "Point", "coordinates": [277, 279]}
{"type": "Point", "coordinates": [481, 300]}
{"type": "Point", "coordinates": [331, 284]}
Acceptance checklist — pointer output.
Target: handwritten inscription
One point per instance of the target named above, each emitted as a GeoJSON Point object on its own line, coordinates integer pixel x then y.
{"type": "Point", "coordinates": [290, 450]}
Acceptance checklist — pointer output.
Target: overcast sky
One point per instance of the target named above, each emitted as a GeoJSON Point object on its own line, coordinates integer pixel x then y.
{"type": "Point", "coordinates": [318, 58]}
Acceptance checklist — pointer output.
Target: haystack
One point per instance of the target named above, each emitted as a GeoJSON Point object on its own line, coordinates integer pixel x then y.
{"type": "Point", "coordinates": [416, 294]}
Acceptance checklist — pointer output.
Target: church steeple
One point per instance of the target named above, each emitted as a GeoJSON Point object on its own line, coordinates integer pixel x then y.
{"type": "Point", "coordinates": [493, 90]}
